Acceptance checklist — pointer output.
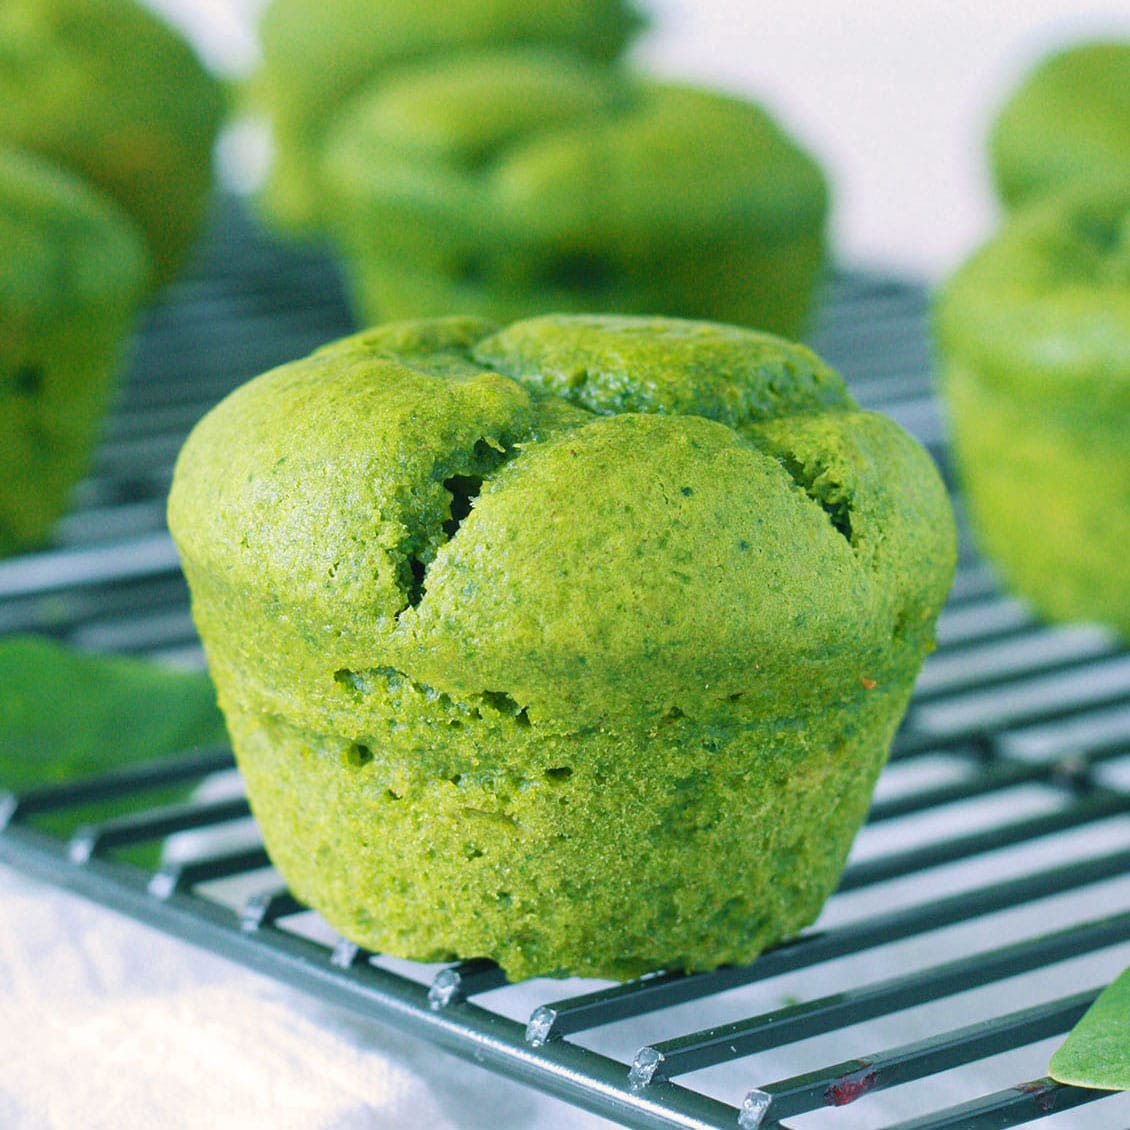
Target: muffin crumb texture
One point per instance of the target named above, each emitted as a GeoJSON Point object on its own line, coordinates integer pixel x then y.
{"type": "Point", "coordinates": [577, 644]}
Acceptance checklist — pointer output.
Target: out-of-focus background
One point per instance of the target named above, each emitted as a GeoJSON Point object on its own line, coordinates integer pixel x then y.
{"type": "Point", "coordinates": [893, 98]}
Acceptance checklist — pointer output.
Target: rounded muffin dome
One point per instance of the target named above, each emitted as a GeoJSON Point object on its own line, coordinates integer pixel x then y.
{"type": "Point", "coordinates": [315, 56]}
{"type": "Point", "coordinates": [1044, 306]}
{"type": "Point", "coordinates": [1067, 122]}
{"type": "Point", "coordinates": [511, 183]}
{"type": "Point", "coordinates": [491, 612]}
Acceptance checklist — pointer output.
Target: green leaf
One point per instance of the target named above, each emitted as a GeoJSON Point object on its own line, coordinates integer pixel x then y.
{"type": "Point", "coordinates": [1096, 1052]}
{"type": "Point", "coordinates": [67, 714]}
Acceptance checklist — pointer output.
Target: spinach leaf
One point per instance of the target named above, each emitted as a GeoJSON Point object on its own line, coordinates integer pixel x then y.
{"type": "Point", "coordinates": [1096, 1052]}
{"type": "Point", "coordinates": [66, 714]}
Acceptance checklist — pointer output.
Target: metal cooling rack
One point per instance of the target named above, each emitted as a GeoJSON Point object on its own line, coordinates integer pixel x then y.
{"type": "Point", "coordinates": [986, 904]}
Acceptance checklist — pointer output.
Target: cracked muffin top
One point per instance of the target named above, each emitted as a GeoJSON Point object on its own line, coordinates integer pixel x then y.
{"type": "Point", "coordinates": [593, 517]}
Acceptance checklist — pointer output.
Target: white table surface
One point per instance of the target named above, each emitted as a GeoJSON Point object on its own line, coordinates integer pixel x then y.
{"type": "Point", "coordinates": [105, 1023]}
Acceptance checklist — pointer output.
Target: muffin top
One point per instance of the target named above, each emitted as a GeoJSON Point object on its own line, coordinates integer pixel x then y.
{"type": "Point", "coordinates": [589, 517]}
{"type": "Point", "coordinates": [317, 55]}
{"type": "Point", "coordinates": [540, 145]}
{"type": "Point", "coordinates": [65, 249]}
{"type": "Point", "coordinates": [1069, 120]}
{"type": "Point", "coordinates": [110, 92]}
{"type": "Point", "coordinates": [1044, 306]}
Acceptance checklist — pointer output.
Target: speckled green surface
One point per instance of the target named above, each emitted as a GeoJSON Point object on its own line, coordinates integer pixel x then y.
{"type": "Point", "coordinates": [1068, 121]}
{"type": "Point", "coordinates": [72, 271]}
{"type": "Point", "coordinates": [107, 90]}
{"type": "Point", "coordinates": [578, 645]}
{"type": "Point", "coordinates": [315, 55]}
{"type": "Point", "coordinates": [514, 183]}
{"type": "Point", "coordinates": [1034, 333]}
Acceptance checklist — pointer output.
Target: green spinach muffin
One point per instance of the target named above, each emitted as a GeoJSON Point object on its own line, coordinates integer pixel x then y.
{"type": "Point", "coordinates": [577, 644]}
{"type": "Point", "coordinates": [73, 269]}
{"type": "Point", "coordinates": [515, 183]}
{"type": "Point", "coordinates": [1034, 337]}
{"type": "Point", "coordinates": [107, 90]}
{"type": "Point", "coordinates": [1067, 122]}
{"type": "Point", "coordinates": [316, 55]}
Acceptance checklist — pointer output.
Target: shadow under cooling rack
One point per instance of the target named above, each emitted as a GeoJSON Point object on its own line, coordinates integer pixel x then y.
{"type": "Point", "coordinates": [985, 905]}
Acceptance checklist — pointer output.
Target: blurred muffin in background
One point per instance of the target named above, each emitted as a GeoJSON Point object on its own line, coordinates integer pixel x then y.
{"type": "Point", "coordinates": [317, 54]}
{"type": "Point", "coordinates": [73, 268]}
{"type": "Point", "coordinates": [1068, 121]}
{"type": "Point", "coordinates": [106, 89]}
{"type": "Point", "coordinates": [1034, 333]}
{"type": "Point", "coordinates": [513, 182]}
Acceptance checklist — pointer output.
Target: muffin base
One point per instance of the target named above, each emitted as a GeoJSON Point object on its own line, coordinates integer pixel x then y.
{"type": "Point", "coordinates": [594, 854]}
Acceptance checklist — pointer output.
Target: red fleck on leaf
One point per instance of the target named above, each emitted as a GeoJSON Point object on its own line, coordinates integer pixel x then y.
{"type": "Point", "coordinates": [869, 684]}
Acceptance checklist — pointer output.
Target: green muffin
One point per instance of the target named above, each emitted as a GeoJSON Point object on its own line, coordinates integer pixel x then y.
{"type": "Point", "coordinates": [516, 183]}
{"type": "Point", "coordinates": [578, 645]}
{"type": "Point", "coordinates": [1067, 122]}
{"type": "Point", "coordinates": [1034, 336]}
{"type": "Point", "coordinates": [316, 55]}
{"type": "Point", "coordinates": [73, 269]}
{"type": "Point", "coordinates": [107, 90]}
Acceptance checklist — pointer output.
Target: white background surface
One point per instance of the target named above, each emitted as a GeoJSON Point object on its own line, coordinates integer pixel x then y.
{"type": "Point", "coordinates": [107, 1024]}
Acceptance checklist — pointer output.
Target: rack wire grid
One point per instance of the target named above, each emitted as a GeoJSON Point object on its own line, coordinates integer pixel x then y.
{"type": "Point", "coordinates": [986, 903]}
